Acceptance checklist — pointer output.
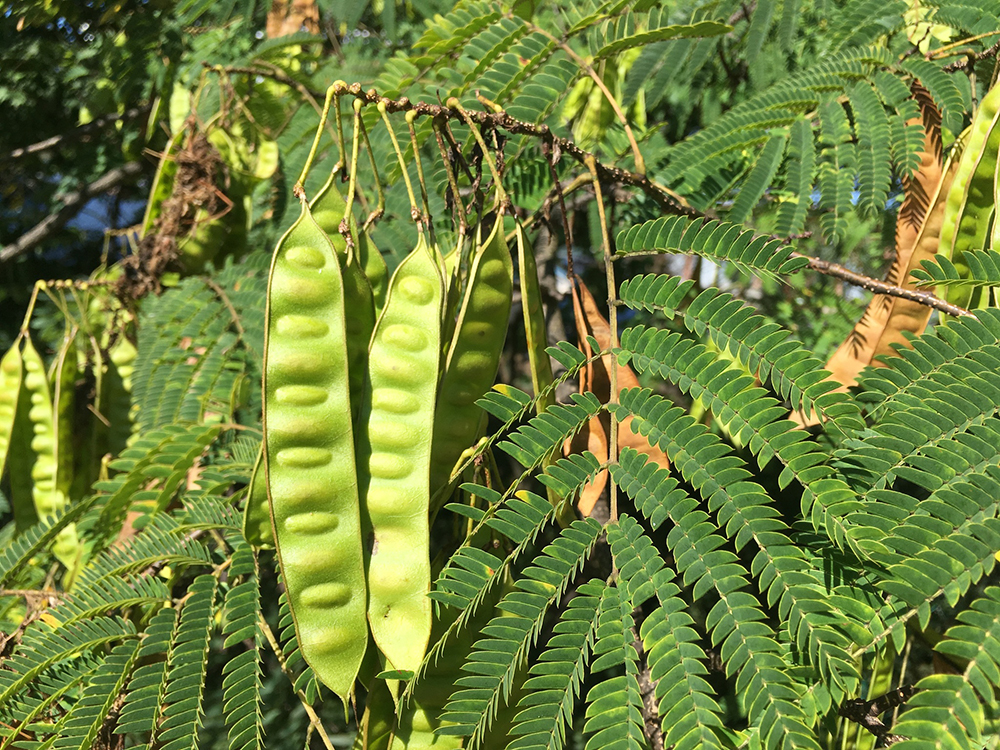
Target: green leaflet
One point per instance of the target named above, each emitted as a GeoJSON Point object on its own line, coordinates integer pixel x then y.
{"type": "Point", "coordinates": [760, 178]}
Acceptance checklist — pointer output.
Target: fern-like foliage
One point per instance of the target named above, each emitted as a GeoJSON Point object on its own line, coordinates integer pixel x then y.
{"type": "Point", "coordinates": [43, 648]}
{"type": "Point", "coordinates": [690, 715]}
{"type": "Point", "coordinates": [760, 345]}
{"type": "Point", "coordinates": [556, 677]}
{"type": "Point", "coordinates": [150, 473]}
{"type": "Point", "coordinates": [984, 270]}
{"type": "Point", "coordinates": [614, 706]}
{"type": "Point", "coordinates": [720, 241]}
{"type": "Point", "coordinates": [181, 707]}
{"type": "Point", "coordinates": [952, 704]}
{"type": "Point", "coordinates": [193, 351]}
{"type": "Point", "coordinates": [496, 659]}
{"type": "Point", "coordinates": [85, 721]}
{"type": "Point", "coordinates": [145, 691]}
{"type": "Point", "coordinates": [242, 682]}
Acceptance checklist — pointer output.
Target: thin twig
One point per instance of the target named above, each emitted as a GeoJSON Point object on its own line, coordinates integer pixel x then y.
{"type": "Point", "coordinates": [667, 199]}
{"type": "Point", "coordinates": [970, 59]}
{"type": "Point", "coordinates": [458, 208]}
{"type": "Point", "coordinates": [314, 719]}
{"type": "Point", "coordinates": [647, 688]}
{"type": "Point", "coordinates": [880, 287]}
{"type": "Point", "coordinates": [866, 713]}
{"type": "Point", "coordinates": [902, 675]}
{"type": "Point", "coordinates": [550, 160]}
{"type": "Point", "coordinates": [609, 269]}
{"type": "Point", "coordinates": [79, 133]}
{"type": "Point", "coordinates": [224, 298]}
{"type": "Point", "coordinates": [379, 209]}
{"type": "Point", "coordinates": [640, 164]}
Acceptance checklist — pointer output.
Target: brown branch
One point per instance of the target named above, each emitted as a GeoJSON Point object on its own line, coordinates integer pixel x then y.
{"type": "Point", "coordinates": [880, 287]}
{"type": "Point", "coordinates": [866, 713]}
{"type": "Point", "coordinates": [667, 199]}
{"type": "Point", "coordinates": [79, 133]}
{"type": "Point", "coordinates": [554, 144]}
{"type": "Point", "coordinates": [69, 208]}
{"type": "Point", "coordinates": [971, 59]}
{"type": "Point", "coordinates": [742, 13]}
{"type": "Point", "coordinates": [647, 687]}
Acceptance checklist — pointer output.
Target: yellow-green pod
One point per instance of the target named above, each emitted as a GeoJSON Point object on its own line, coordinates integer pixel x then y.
{"type": "Point", "coordinates": [11, 373]}
{"type": "Point", "coordinates": [358, 300]}
{"type": "Point", "coordinates": [474, 353]}
{"type": "Point", "coordinates": [66, 546]}
{"type": "Point", "coordinates": [309, 454]}
{"type": "Point", "coordinates": [43, 472]}
{"type": "Point", "coordinates": [394, 455]}
{"type": "Point", "coordinates": [452, 294]}
{"type": "Point", "coordinates": [256, 513]}
{"type": "Point", "coordinates": [117, 393]}
{"type": "Point", "coordinates": [375, 268]}
{"type": "Point", "coordinates": [15, 435]}
{"type": "Point", "coordinates": [970, 199]}
{"type": "Point", "coordinates": [64, 405]}
{"type": "Point", "coordinates": [327, 207]}
{"type": "Point", "coordinates": [534, 320]}
{"type": "Point", "coordinates": [49, 497]}
{"type": "Point", "coordinates": [413, 728]}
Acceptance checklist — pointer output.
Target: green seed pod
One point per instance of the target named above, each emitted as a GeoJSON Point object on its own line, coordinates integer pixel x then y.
{"type": "Point", "coordinates": [328, 207]}
{"type": "Point", "coordinates": [15, 435]}
{"type": "Point", "coordinates": [49, 497]}
{"type": "Point", "coordinates": [358, 299]}
{"type": "Point", "coordinates": [394, 456]}
{"type": "Point", "coordinates": [256, 514]}
{"type": "Point", "coordinates": [11, 373]}
{"type": "Point", "coordinates": [474, 354]}
{"type": "Point", "coordinates": [375, 269]}
{"type": "Point", "coordinates": [116, 395]}
{"type": "Point", "coordinates": [309, 454]}
{"type": "Point", "coordinates": [534, 320]}
{"type": "Point", "coordinates": [214, 238]}
{"type": "Point", "coordinates": [64, 404]}
{"type": "Point", "coordinates": [970, 199]}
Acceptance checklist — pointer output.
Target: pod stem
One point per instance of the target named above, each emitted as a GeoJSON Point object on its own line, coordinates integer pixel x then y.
{"type": "Point", "coordinates": [341, 145]}
{"type": "Point", "coordinates": [380, 206]}
{"type": "Point", "coordinates": [331, 92]}
{"type": "Point", "coordinates": [609, 269]}
{"type": "Point", "coordinates": [345, 223]}
{"type": "Point", "coordinates": [39, 285]}
{"type": "Point", "coordinates": [458, 207]}
{"type": "Point", "coordinates": [414, 211]}
{"type": "Point", "coordinates": [567, 225]}
{"type": "Point", "coordinates": [501, 195]}
{"type": "Point", "coordinates": [410, 117]}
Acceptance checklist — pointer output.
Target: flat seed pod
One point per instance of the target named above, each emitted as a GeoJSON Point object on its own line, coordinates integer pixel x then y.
{"type": "Point", "coordinates": [309, 454]}
{"type": "Point", "coordinates": [394, 456]}
{"type": "Point", "coordinates": [256, 513]}
{"type": "Point", "coordinates": [474, 353]}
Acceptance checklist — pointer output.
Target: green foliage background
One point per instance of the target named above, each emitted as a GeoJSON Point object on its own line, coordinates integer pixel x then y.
{"type": "Point", "coordinates": [742, 598]}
